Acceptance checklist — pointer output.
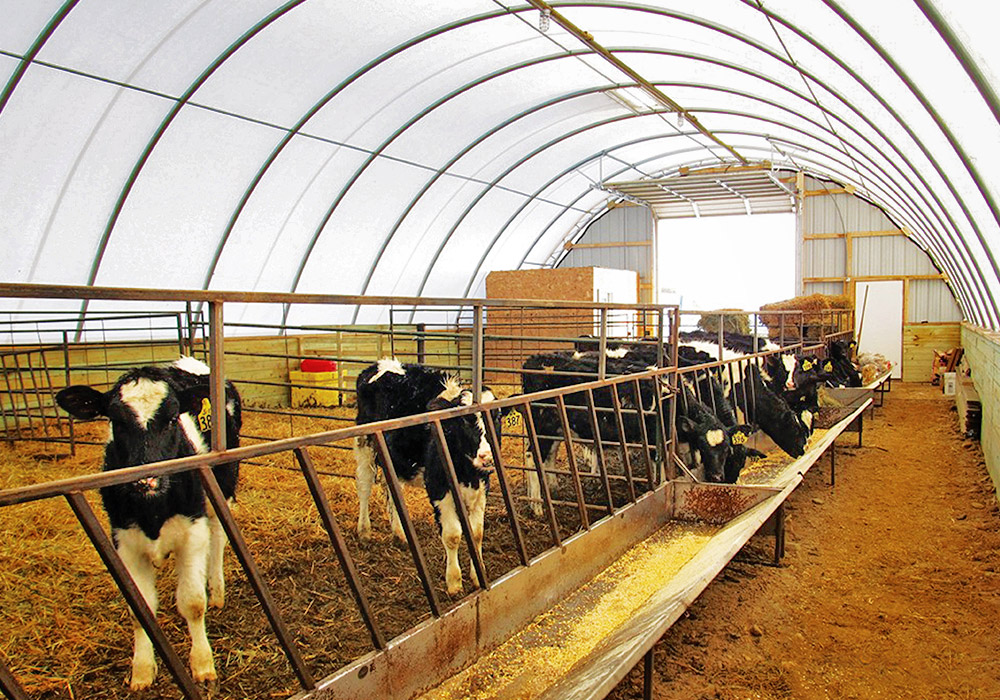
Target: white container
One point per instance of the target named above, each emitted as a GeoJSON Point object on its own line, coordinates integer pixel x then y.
{"type": "Point", "coordinates": [948, 383]}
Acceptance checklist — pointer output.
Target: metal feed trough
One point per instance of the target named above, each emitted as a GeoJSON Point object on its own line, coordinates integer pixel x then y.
{"type": "Point", "coordinates": [676, 534]}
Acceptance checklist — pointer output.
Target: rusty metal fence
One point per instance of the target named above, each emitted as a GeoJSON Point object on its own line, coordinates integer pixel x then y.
{"type": "Point", "coordinates": [640, 476]}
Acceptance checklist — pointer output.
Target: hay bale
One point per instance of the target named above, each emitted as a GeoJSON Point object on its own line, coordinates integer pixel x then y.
{"type": "Point", "coordinates": [814, 320]}
{"type": "Point", "coordinates": [734, 323]}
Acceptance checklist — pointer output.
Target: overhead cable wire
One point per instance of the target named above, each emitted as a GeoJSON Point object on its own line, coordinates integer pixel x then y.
{"type": "Point", "coordinates": [809, 87]}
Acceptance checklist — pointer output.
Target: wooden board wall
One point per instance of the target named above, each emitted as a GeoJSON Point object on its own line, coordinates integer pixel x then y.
{"type": "Point", "coordinates": [920, 340]}
{"type": "Point", "coordinates": [249, 359]}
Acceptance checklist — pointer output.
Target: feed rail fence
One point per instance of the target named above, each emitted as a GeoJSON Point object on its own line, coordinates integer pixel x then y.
{"type": "Point", "coordinates": [73, 490]}
{"type": "Point", "coordinates": [43, 352]}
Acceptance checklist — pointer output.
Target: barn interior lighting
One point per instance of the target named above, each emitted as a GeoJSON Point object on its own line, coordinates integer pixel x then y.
{"type": "Point", "coordinates": [544, 20]}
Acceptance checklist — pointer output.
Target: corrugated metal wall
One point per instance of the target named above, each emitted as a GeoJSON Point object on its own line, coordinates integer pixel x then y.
{"type": "Point", "coordinates": [856, 254]}
{"type": "Point", "coordinates": [601, 245]}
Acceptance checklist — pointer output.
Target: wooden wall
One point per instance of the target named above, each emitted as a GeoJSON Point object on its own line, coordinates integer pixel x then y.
{"type": "Point", "coordinates": [982, 354]}
{"type": "Point", "coordinates": [248, 360]}
{"type": "Point", "coordinates": [920, 340]}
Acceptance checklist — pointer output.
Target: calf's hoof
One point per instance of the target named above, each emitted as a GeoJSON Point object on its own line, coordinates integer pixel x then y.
{"type": "Point", "coordinates": [216, 596]}
{"type": "Point", "coordinates": [142, 676]}
{"type": "Point", "coordinates": [202, 669]}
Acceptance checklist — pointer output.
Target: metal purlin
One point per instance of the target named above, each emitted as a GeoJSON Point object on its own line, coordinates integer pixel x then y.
{"type": "Point", "coordinates": [941, 253]}
{"type": "Point", "coordinates": [36, 46]}
{"type": "Point", "coordinates": [995, 319]}
{"type": "Point", "coordinates": [553, 142]}
{"type": "Point", "coordinates": [834, 115]}
{"type": "Point", "coordinates": [785, 61]}
{"type": "Point", "coordinates": [158, 134]}
{"type": "Point", "coordinates": [307, 117]}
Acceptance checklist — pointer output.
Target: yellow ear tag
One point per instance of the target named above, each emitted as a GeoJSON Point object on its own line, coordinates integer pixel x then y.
{"type": "Point", "coordinates": [205, 416]}
{"type": "Point", "coordinates": [512, 420]}
{"type": "Point", "coordinates": [739, 438]}
{"type": "Point", "coordinates": [828, 367]}
{"type": "Point", "coordinates": [807, 365]}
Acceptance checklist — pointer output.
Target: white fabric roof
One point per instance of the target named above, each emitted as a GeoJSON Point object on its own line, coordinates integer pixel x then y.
{"type": "Point", "coordinates": [408, 148]}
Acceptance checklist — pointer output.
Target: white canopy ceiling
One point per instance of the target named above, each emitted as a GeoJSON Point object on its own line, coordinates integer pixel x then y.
{"type": "Point", "coordinates": [408, 148]}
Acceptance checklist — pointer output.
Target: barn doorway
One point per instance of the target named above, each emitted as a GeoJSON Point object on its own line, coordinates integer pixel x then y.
{"type": "Point", "coordinates": [718, 262]}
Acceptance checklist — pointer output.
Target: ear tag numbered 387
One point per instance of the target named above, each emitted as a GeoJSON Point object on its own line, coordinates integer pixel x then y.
{"type": "Point", "coordinates": [205, 416]}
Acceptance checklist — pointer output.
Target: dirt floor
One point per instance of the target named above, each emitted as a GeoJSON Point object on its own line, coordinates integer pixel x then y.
{"type": "Point", "coordinates": [890, 587]}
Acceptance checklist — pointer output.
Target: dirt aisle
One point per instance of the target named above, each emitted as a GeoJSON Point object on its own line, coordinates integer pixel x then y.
{"type": "Point", "coordinates": [890, 587]}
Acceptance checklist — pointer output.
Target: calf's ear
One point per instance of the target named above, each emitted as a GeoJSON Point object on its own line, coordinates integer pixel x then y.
{"type": "Point", "coordinates": [195, 399]}
{"type": "Point", "coordinates": [82, 402]}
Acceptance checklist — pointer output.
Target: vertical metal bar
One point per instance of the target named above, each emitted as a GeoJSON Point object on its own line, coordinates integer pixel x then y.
{"type": "Point", "coordinates": [833, 462]}
{"type": "Point", "coordinates": [674, 379]}
{"type": "Point", "coordinates": [52, 394]}
{"type": "Point", "coordinates": [645, 434]}
{"type": "Point", "coordinates": [515, 526]}
{"type": "Point", "coordinates": [861, 426]}
{"type": "Point", "coordinates": [38, 394]}
{"type": "Point", "coordinates": [88, 520]}
{"type": "Point", "coordinates": [599, 450]}
{"type": "Point", "coordinates": [217, 380]}
{"type": "Point", "coordinates": [536, 452]}
{"type": "Point", "coordinates": [623, 438]}
{"type": "Point", "coordinates": [72, 422]}
{"type": "Point", "coordinates": [396, 491]}
{"type": "Point", "coordinates": [254, 576]}
{"type": "Point", "coordinates": [571, 459]}
{"type": "Point", "coordinates": [9, 685]}
{"type": "Point", "coordinates": [602, 347]}
{"type": "Point", "coordinates": [339, 546]}
{"type": "Point", "coordinates": [722, 337]}
{"type": "Point", "coordinates": [180, 334]}
{"type": "Point", "coordinates": [662, 459]}
{"type": "Point", "coordinates": [392, 332]}
{"type": "Point", "coordinates": [755, 319]}
{"type": "Point", "coordinates": [460, 509]}
{"type": "Point", "coordinates": [647, 675]}
{"type": "Point", "coordinates": [781, 316]}
{"type": "Point", "coordinates": [421, 343]}
{"type": "Point", "coordinates": [477, 352]}
{"type": "Point", "coordinates": [189, 318]}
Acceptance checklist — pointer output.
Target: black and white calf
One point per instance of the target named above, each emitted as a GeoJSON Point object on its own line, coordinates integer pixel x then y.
{"type": "Point", "coordinates": [389, 389]}
{"type": "Point", "coordinates": [159, 413]}
{"type": "Point", "coordinates": [706, 440]}
{"type": "Point", "coordinates": [755, 403]}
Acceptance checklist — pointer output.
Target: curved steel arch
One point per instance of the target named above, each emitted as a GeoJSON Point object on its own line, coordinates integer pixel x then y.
{"type": "Point", "coordinates": [33, 50]}
{"type": "Point", "coordinates": [175, 110]}
{"type": "Point", "coordinates": [940, 253]}
{"type": "Point", "coordinates": [851, 23]}
{"type": "Point", "coordinates": [312, 111]}
{"type": "Point", "coordinates": [916, 213]}
{"type": "Point", "coordinates": [785, 61]}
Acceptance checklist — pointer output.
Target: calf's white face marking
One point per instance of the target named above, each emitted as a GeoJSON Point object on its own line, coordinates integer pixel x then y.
{"type": "Point", "coordinates": [714, 437]}
{"type": "Point", "coordinates": [144, 397]}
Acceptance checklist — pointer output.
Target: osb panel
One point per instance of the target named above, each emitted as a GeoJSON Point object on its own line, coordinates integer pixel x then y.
{"type": "Point", "coordinates": [920, 340]}
{"type": "Point", "coordinates": [534, 328]}
{"type": "Point", "coordinates": [566, 284]}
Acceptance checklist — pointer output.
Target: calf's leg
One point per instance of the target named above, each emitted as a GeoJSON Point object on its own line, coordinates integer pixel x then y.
{"type": "Point", "coordinates": [451, 537]}
{"type": "Point", "coordinates": [132, 548]}
{"type": "Point", "coordinates": [475, 506]}
{"type": "Point", "coordinates": [364, 457]}
{"type": "Point", "coordinates": [192, 562]}
{"type": "Point", "coordinates": [216, 550]}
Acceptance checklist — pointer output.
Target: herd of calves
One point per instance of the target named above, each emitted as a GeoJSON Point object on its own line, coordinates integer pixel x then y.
{"type": "Point", "coordinates": [158, 413]}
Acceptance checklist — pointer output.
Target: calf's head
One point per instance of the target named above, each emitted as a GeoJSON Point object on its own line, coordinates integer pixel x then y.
{"type": "Point", "coordinates": [466, 435]}
{"type": "Point", "coordinates": [150, 421]}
